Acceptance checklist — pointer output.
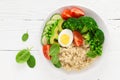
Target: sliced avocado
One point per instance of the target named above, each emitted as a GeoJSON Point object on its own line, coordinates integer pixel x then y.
{"type": "Point", "coordinates": [60, 24]}
{"type": "Point", "coordinates": [52, 29]}
{"type": "Point", "coordinates": [54, 36]}
{"type": "Point", "coordinates": [55, 32]}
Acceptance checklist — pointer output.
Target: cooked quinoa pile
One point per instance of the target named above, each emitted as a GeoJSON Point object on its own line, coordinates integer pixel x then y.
{"type": "Point", "coordinates": [74, 58]}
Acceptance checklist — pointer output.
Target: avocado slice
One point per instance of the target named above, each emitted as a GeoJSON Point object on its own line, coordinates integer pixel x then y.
{"type": "Point", "coordinates": [55, 32]}
{"type": "Point", "coordinates": [60, 24]}
{"type": "Point", "coordinates": [54, 36]}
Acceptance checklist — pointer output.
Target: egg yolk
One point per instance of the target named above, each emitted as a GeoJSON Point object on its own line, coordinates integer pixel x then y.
{"type": "Point", "coordinates": [64, 39]}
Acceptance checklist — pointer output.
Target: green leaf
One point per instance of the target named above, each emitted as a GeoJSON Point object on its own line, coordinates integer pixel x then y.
{"type": "Point", "coordinates": [31, 62]}
{"type": "Point", "coordinates": [54, 49]}
{"type": "Point", "coordinates": [23, 56]}
{"type": "Point", "coordinates": [55, 61]}
{"type": "Point", "coordinates": [58, 65]}
{"type": "Point", "coordinates": [25, 37]}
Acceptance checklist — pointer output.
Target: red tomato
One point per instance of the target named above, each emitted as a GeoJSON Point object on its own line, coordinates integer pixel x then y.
{"type": "Point", "coordinates": [76, 12]}
{"type": "Point", "coordinates": [77, 38]}
{"type": "Point", "coordinates": [66, 14]}
{"type": "Point", "coordinates": [46, 49]}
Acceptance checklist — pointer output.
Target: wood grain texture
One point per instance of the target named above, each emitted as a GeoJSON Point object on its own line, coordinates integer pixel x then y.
{"type": "Point", "coordinates": [19, 16]}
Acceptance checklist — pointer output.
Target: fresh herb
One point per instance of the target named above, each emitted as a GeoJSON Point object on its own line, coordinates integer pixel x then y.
{"type": "Point", "coordinates": [58, 65]}
{"type": "Point", "coordinates": [31, 62]}
{"type": "Point", "coordinates": [25, 36]}
{"type": "Point", "coordinates": [23, 56]}
{"type": "Point", "coordinates": [55, 60]}
{"type": "Point", "coordinates": [54, 49]}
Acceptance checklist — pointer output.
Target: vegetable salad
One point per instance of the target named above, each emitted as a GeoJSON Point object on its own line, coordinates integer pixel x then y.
{"type": "Point", "coordinates": [71, 26]}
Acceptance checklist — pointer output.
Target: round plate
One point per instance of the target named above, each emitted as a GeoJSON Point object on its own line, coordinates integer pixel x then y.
{"type": "Point", "coordinates": [93, 71]}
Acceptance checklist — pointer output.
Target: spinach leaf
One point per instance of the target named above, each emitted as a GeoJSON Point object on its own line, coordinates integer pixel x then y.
{"type": "Point", "coordinates": [54, 49]}
{"type": "Point", "coordinates": [25, 37]}
{"type": "Point", "coordinates": [58, 65]}
{"type": "Point", "coordinates": [23, 56]}
{"type": "Point", "coordinates": [31, 62]}
{"type": "Point", "coordinates": [55, 61]}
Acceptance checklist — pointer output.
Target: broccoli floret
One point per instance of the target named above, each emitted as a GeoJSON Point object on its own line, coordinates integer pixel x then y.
{"type": "Point", "coordinates": [99, 36]}
{"type": "Point", "coordinates": [87, 36]}
{"type": "Point", "coordinates": [84, 30]}
{"type": "Point", "coordinates": [91, 54]}
{"type": "Point", "coordinates": [94, 51]}
{"type": "Point", "coordinates": [90, 32]}
{"type": "Point", "coordinates": [89, 22]}
{"type": "Point", "coordinates": [95, 48]}
{"type": "Point", "coordinates": [72, 24]}
{"type": "Point", "coordinates": [98, 50]}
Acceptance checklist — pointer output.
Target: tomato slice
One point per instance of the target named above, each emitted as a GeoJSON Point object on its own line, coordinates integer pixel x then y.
{"type": "Point", "coordinates": [46, 49]}
{"type": "Point", "coordinates": [77, 38]}
{"type": "Point", "coordinates": [66, 14]}
{"type": "Point", "coordinates": [76, 12]}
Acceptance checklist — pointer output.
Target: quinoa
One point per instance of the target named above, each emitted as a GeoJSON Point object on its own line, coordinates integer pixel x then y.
{"type": "Point", "coordinates": [74, 58]}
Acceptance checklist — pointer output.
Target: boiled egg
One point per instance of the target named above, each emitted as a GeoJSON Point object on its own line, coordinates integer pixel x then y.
{"type": "Point", "coordinates": [65, 38]}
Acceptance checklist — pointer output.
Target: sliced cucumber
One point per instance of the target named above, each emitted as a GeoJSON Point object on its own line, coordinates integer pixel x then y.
{"type": "Point", "coordinates": [47, 27]}
{"type": "Point", "coordinates": [51, 29]}
{"type": "Point", "coordinates": [56, 17]}
{"type": "Point", "coordinates": [50, 22]}
{"type": "Point", "coordinates": [44, 40]}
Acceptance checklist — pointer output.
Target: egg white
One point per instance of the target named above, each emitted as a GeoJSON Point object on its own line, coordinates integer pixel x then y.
{"type": "Point", "coordinates": [67, 32]}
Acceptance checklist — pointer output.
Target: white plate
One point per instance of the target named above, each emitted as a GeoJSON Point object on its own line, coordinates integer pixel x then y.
{"type": "Point", "coordinates": [93, 71]}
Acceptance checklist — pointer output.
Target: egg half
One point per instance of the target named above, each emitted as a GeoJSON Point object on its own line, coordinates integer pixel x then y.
{"type": "Point", "coordinates": [65, 38]}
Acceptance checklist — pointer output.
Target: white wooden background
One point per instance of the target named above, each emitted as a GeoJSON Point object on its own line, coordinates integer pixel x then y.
{"type": "Point", "coordinates": [19, 16]}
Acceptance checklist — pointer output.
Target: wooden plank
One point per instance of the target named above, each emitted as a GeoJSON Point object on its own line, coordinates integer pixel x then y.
{"type": "Point", "coordinates": [37, 8]}
{"type": "Point", "coordinates": [10, 39]}
{"type": "Point", "coordinates": [103, 70]}
{"type": "Point", "coordinates": [14, 71]}
{"type": "Point", "coordinates": [17, 17]}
